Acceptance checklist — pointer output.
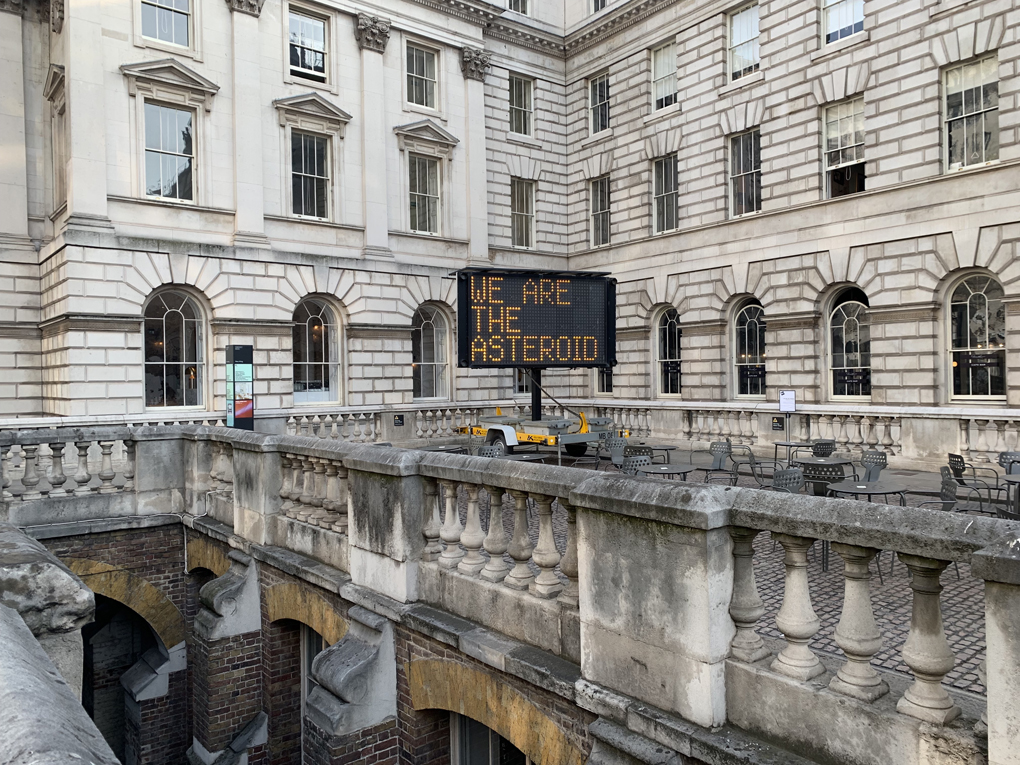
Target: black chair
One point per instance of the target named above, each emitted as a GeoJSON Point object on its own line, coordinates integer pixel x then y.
{"type": "Point", "coordinates": [1009, 462]}
{"type": "Point", "coordinates": [874, 463]}
{"type": "Point", "coordinates": [789, 480]}
{"type": "Point", "coordinates": [820, 476]}
{"type": "Point", "coordinates": [967, 475]}
{"type": "Point", "coordinates": [492, 452]}
{"type": "Point", "coordinates": [763, 472]}
{"type": "Point", "coordinates": [614, 452]}
{"type": "Point", "coordinates": [721, 453]}
{"type": "Point", "coordinates": [823, 448]}
{"type": "Point", "coordinates": [633, 462]}
{"type": "Point", "coordinates": [638, 451]}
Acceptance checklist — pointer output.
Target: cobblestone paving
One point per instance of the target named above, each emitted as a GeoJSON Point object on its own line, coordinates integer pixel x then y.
{"type": "Point", "coordinates": [962, 597]}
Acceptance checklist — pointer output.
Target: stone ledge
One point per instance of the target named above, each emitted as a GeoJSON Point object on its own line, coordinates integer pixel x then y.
{"type": "Point", "coordinates": [100, 525]}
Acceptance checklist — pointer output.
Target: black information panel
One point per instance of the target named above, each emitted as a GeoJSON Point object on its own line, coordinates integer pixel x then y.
{"type": "Point", "coordinates": [536, 319]}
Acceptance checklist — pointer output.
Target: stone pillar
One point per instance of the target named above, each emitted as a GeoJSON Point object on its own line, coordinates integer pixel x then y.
{"type": "Point", "coordinates": [474, 63]}
{"type": "Point", "coordinates": [227, 661]}
{"type": "Point", "coordinates": [372, 34]}
{"type": "Point", "coordinates": [85, 87]}
{"type": "Point", "coordinates": [14, 162]}
{"type": "Point", "coordinates": [156, 705]}
{"type": "Point", "coordinates": [999, 566]}
{"type": "Point", "coordinates": [257, 481]}
{"type": "Point", "coordinates": [796, 618]}
{"type": "Point", "coordinates": [249, 225]}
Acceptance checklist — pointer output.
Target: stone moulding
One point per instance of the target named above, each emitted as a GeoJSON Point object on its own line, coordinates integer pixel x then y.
{"type": "Point", "coordinates": [426, 137]}
{"type": "Point", "coordinates": [311, 111]}
{"type": "Point", "coordinates": [372, 33]}
{"type": "Point", "coordinates": [169, 78]}
{"type": "Point", "coordinates": [250, 7]}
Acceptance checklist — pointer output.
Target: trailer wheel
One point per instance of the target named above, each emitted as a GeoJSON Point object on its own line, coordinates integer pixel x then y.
{"type": "Point", "coordinates": [500, 442]}
{"type": "Point", "coordinates": [576, 450]}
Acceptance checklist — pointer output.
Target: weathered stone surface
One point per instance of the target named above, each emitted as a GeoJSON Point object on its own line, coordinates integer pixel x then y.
{"type": "Point", "coordinates": [39, 587]}
{"type": "Point", "coordinates": [41, 721]}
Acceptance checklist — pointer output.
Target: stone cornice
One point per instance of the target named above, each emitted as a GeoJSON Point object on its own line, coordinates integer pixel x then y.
{"type": "Point", "coordinates": [711, 327]}
{"type": "Point", "coordinates": [633, 333]}
{"type": "Point", "coordinates": [257, 327]}
{"type": "Point", "coordinates": [17, 7]}
{"type": "Point", "coordinates": [58, 325]}
{"type": "Point", "coordinates": [17, 329]}
{"type": "Point", "coordinates": [476, 11]}
{"type": "Point", "coordinates": [625, 17]}
{"type": "Point", "coordinates": [526, 37]}
{"type": "Point", "coordinates": [899, 314]}
{"type": "Point", "coordinates": [378, 332]}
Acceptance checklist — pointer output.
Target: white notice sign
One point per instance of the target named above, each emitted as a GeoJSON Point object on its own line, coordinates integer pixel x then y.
{"type": "Point", "coordinates": [787, 401]}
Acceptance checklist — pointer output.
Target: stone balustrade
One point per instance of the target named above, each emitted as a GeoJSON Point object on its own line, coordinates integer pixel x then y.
{"type": "Point", "coordinates": [650, 586]}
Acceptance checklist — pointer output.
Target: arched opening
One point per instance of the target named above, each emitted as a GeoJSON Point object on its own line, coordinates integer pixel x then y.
{"type": "Point", "coordinates": [667, 352]}
{"type": "Point", "coordinates": [174, 348]}
{"type": "Point", "coordinates": [472, 743]}
{"type": "Point", "coordinates": [430, 353]}
{"type": "Point", "coordinates": [749, 349]}
{"type": "Point", "coordinates": [290, 647]}
{"type": "Point", "coordinates": [113, 643]}
{"type": "Point", "coordinates": [316, 353]}
{"type": "Point", "coordinates": [850, 344]}
{"type": "Point", "coordinates": [977, 342]}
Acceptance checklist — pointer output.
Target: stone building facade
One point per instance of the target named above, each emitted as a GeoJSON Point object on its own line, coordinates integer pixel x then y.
{"type": "Point", "coordinates": [760, 169]}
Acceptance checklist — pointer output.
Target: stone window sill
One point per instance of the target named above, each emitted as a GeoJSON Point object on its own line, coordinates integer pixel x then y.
{"type": "Point", "coordinates": [662, 114]}
{"type": "Point", "coordinates": [523, 140]}
{"type": "Point", "coordinates": [858, 38]}
{"type": "Point", "coordinates": [744, 82]}
{"type": "Point", "coordinates": [602, 135]}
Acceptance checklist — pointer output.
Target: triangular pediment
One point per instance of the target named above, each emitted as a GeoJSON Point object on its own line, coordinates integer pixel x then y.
{"type": "Point", "coordinates": [312, 105]}
{"type": "Point", "coordinates": [167, 71]}
{"type": "Point", "coordinates": [427, 130]}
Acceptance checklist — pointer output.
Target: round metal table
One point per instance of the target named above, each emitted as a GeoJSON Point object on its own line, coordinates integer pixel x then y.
{"type": "Point", "coordinates": [668, 470]}
{"type": "Point", "coordinates": [790, 446]}
{"type": "Point", "coordinates": [869, 489]}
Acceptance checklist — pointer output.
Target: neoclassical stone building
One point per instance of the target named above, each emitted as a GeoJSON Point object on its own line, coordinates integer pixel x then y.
{"type": "Point", "coordinates": [811, 194]}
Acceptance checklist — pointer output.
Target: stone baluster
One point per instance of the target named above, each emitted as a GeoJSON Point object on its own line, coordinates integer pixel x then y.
{"type": "Point", "coordinates": [520, 577]}
{"type": "Point", "coordinates": [695, 425]}
{"type": "Point", "coordinates": [843, 423]}
{"type": "Point", "coordinates": [546, 556]}
{"type": "Point", "coordinates": [320, 513]}
{"type": "Point", "coordinates": [342, 501]}
{"type": "Point", "coordinates": [305, 507]}
{"type": "Point", "coordinates": [685, 425]}
{"type": "Point", "coordinates": [291, 426]}
{"type": "Point", "coordinates": [808, 422]}
{"type": "Point", "coordinates": [1000, 439]}
{"type": "Point", "coordinates": [5, 473]}
{"type": "Point", "coordinates": [30, 480]}
{"type": "Point", "coordinates": [56, 476]}
{"type": "Point", "coordinates": [419, 425]}
{"type": "Point", "coordinates": [926, 650]}
{"type": "Point", "coordinates": [725, 433]}
{"type": "Point", "coordinates": [451, 530]}
{"type": "Point", "coordinates": [796, 618]}
{"type": "Point", "coordinates": [887, 437]}
{"type": "Point", "coordinates": [825, 427]}
{"type": "Point", "coordinates": [286, 484]}
{"type": "Point", "coordinates": [568, 565]}
{"type": "Point", "coordinates": [964, 438]}
{"type": "Point", "coordinates": [82, 476]}
{"type": "Point", "coordinates": [495, 543]}
{"type": "Point", "coordinates": [106, 473]}
{"type": "Point", "coordinates": [473, 536]}
{"type": "Point", "coordinates": [296, 489]}
{"type": "Point", "coordinates": [981, 448]}
{"type": "Point", "coordinates": [857, 634]}
{"type": "Point", "coordinates": [433, 523]}
{"type": "Point", "coordinates": [746, 606]}
{"type": "Point", "coordinates": [872, 439]}
{"type": "Point", "coordinates": [856, 426]}
{"type": "Point", "coordinates": [129, 465]}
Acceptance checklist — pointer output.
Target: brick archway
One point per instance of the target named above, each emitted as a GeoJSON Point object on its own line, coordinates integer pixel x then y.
{"type": "Point", "coordinates": [135, 593]}
{"type": "Point", "coordinates": [438, 684]}
{"type": "Point", "coordinates": [204, 553]}
{"type": "Point", "coordinates": [301, 604]}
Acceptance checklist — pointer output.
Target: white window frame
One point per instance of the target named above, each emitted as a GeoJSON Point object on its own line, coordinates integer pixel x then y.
{"type": "Point", "coordinates": [664, 317]}
{"type": "Point", "coordinates": [991, 59]}
{"type": "Point", "coordinates": [457, 757]}
{"type": "Point", "coordinates": [413, 157]}
{"type": "Point", "coordinates": [852, 109]}
{"type": "Point", "coordinates": [665, 78]}
{"type": "Point", "coordinates": [194, 154]}
{"type": "Point", "coordinates": [522, 382]}
{"type": "Point", "coordinates": [597, 108]}
{"type": "Point", "coordinates": [950, 350]}
{"type": "Point", "coordinates": [595, 213]}
{"type": "Point", "coordinates": [192, 50]}
{"type": "Point", "coordinates": [751, 43]}
{"type": "Point", "coordinates": [527, 112]}
{"type": "Point", "coordinates": [599, 5]}
{"type": "Point", "coordinates": [863, 320]}
{"type": "Point", "coordinates": [743, 173]}
{"type": "Point", "coordinates": [303, 118]}
{"type": "Point", "coordinates": [299, 73]}
{"type": "Point", "coordinates": [431, 311]}
{"type": "Point", "coordinates": [526, 216]}
{"type": "Point", "coordinates": [661, 195]}
{"type": "Point", "coordinates": [519, 6]}
{"type": "Point", "coordinates": [737, 364]}
{"type": "Point", "coordinates": [600, 376]}
{"type": "Point", "coordinates": [175, 11]}
{"type": "Point", "coordinates": [333, 352]}
{"type": "Point", "coordinates": [437, 55]}
{"type": "Point", "coordinates": [202, 357]}
{"type": "Point", "coordinates": [330, 180]}
{"type": "Point", "coordinates": [847, 12]}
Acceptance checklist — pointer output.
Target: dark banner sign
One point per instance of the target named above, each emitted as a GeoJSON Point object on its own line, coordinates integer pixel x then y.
{"type": "Point", "coordinates": [852, 376]}
{"type": "Point", "coordinates": [240, 396]}
{"type": "Point", "coordinates": [535, 319]}
{"type": "Point", "coordinates": [751, 371]}
{"type": "Point", "coordinates": [980, 360]}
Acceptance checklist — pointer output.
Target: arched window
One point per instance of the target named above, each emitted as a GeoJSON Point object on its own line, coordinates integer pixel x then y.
{"type": "Point", "coordinates": [749, 348]}
{"type": "Point", "coordinates": [850, 350]}
{"type": "Point", "coordinates": [978, 340]}
{"type": "Point", "coordinates": [316, 371]}
{"type": "Point", "coordinates": [174, 350]}
{"type": "Point", "coordinates": [668, 353]}
{"type": "Point", "coordinates": [428, 354]}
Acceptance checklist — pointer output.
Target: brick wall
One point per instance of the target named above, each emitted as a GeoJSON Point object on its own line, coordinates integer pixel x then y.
{"type": "Point", "coordinates": [227, 687]}
{"type": "Point", "coordinates": [281, 672]}
{"type": "Point", "coordinates": [378, 745]}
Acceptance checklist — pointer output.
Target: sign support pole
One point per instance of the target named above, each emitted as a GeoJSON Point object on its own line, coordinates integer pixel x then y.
{"type": "Point", "coordinates": [536, 395]}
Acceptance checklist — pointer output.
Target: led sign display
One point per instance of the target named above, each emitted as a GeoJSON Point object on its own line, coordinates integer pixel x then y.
{"type": "Point", "coordinates": [535, 319]}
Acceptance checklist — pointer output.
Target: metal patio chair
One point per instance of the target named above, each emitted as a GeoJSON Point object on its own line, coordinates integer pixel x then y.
{"type": "Point", "coordinates": [873, 462]}
{"type": "Point", "coordinates": [823, 448]}
{"type": "Point", "coordinates": [492, 452]}
{"type": "Point", "coordinates": [820, 476]}
{"type": "Point", "coordinates": [722, 453]}
{"type": "Point", "coordinates": [788, 480]}
{"type": "Point", "coordinates": [632, 462]}
{"type": "Point", "coordinates": [970, 476]}
{"type": "Point", "coordinates": [613, 453]}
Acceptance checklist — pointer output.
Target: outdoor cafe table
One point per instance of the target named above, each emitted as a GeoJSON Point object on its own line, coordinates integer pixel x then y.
{"type": "Point", "coordinates": [869, 488]}
{"type": "Point", "coordinates": [664, 448]}
{"type": "Point", "coordinates": [790, 446]}
{"type": "Point", "coordinates": [822, 461]}
{"type": "Point", "coordinates": [668, 470]}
